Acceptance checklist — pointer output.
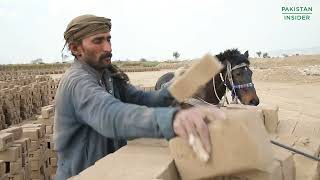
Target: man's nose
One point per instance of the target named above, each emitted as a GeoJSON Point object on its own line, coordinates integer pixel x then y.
{"type": "Point", "coordinates": [107, 47]}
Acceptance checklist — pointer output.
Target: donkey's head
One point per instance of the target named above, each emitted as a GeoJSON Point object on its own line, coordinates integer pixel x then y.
{"type": "Point", "coordinates": [237, 76]}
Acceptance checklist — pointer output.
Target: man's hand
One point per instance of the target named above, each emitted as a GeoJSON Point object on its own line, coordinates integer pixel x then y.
{"type": "Point", "coordinates": [191, 124]}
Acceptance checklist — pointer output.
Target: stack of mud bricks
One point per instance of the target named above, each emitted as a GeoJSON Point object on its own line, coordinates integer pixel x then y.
{"type": "Point", "coordinates": [47, 119]}
{"type": "Point", "coordinates": [25, 102]}
{"type": "Point", "coordinates": [24, 154]}
{"type": "Point", "coordinates": [53, 86]}
{"type": "Point", "coordinates": [44, 93]}
{"type": "Point", "coordinates": [304, 136]}
{"type": "Point", "coordinates": [25, 79]}
{"type": "Point", "coordinates": [11, 105]}
{"type": "Point", "coordinates": [36, 98]}
{"type": "Point", "coordinates": [38, 153]}
{"type": "Point", "coordinates": [14, 156]}
{"type": "Point", "coordinates": [2, 116]}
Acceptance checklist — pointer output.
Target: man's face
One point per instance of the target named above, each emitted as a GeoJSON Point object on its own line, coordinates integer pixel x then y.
{"type": "Point", "coordinates": [96, 51]}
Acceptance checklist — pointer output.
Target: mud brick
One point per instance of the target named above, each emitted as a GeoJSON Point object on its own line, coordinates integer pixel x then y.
{"type": "Point", "coordinates": [36, 155]}
{"type": "Point", "coordinates": [54, 169]}
{"type": "Point", "coordinates": [14, 167]}
{"type": "Point", "coordinates": [35, 145]}
{"type": "Point", "coordinates": [47, 154]}
{"type": "Point", "coordinates": [11, 154]}
{"type": "Point", "coordinates": [6, 140]}
{"type": "Point", "coordinates": [35, 165]}
{"type": "Point", "coordinates": [2, 168]}
{"type": "Point", "coordinates": [25, 144]}
{"type": "Point", "coordinates": [27, 169]}
{"type": "Point", "coordinates": [25, 159]}
{"type": "Point", "coordinates": [49, 129]}
{"type": "Point", "coordinates": [32, 133]}
{"type": "Point", "coordinates": [53, 154]}
{"type": "Point", "coordinates": [4, 177]}
{"type": "Point", "coordinates": [16, 131]}
{"type": "Point", "coordinates": [46, 112]}
{"type": "Point", "coordinates": [36, 174]}
{"type": "Point", "coordinates": [50, 145]}
{"type": "Point", "coordinates": [19, 176]}
{"type": "Point", "coordinates": [53, 175]}
{"type": "Point", "coordinates": [49, 137]}
{"type": "Point", "coordinates": [53, 162]}
{"type": "Point", "coordinates": [47, 169]}
{"type": "Point", "coordinates": [19, 146]}
{"type": "Point", "coordinates": [46, 122]}
{"type": "Point", "coordinates": [310, 145]}
{"type": "Point", "coordinates": [40, 127]}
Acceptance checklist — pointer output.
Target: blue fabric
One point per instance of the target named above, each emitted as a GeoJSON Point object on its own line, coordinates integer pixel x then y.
{"type": "Point", "coordinates": [96, 114]}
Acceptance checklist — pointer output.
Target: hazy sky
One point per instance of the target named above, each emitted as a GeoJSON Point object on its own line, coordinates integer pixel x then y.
{"type": "Point", "coordinates": [153, 29]}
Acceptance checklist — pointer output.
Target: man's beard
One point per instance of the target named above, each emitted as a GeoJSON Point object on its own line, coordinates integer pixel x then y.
{"type": "Point", "coordinates": [105, 56]}
{"type": "Point", "coordinates": [100, 65]}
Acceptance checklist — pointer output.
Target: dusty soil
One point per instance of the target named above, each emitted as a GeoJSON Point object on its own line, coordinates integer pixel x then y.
{"type": "Point", "coordinates": [281, 82]}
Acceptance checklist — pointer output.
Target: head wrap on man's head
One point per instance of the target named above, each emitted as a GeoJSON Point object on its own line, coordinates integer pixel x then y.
{"type": "Point", "coordinates": [85, 26]}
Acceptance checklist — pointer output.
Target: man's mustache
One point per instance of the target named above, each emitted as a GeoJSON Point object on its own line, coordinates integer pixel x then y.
{"type": "Point", "coordinates": [104, 56]}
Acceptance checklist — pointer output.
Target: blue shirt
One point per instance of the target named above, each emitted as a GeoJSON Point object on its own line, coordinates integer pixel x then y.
{"type": "Point", "coordinates": [96, 114]}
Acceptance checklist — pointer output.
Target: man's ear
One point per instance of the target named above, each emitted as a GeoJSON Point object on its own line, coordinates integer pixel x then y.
{"type": "Point", "coordinates": [75, 49]}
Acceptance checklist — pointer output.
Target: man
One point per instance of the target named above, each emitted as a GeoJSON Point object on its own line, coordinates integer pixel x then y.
{"type": "Point", "coordinates": [97, 109]}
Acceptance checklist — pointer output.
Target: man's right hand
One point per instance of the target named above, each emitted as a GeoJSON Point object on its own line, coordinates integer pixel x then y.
{"type": "Point", "coordinates": [193, 123]}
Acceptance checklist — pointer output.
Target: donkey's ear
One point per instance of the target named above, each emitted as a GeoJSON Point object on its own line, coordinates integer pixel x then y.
{"type": "Point", "coordinates": [246, 54]}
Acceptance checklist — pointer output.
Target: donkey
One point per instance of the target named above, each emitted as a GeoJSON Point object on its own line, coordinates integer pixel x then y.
{"type": "Point", "coordinates": [235, 76]}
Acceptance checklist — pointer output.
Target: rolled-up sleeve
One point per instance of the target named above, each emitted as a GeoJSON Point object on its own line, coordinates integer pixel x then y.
{"type": "Point", "coordinates": [115, 119]}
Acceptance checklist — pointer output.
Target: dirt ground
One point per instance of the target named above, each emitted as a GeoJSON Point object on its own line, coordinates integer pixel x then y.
{"type": "Point", "coordinates": [281, 82]}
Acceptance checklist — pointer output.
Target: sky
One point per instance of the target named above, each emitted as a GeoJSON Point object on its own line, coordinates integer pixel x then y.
{"type": "Point", "coordinates": [154, 29]}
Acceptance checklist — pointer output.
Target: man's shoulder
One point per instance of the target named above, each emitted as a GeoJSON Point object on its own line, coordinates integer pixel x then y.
{"type": "Point", "coordinates": [75, 74]}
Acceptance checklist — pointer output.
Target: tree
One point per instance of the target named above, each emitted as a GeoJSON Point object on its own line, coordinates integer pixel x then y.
{"type": "Point", "coordinates": [37, 61]}
{"type": "Point", "coordinates": [259, 53]}
{"type": "Point", "coordinates": [265, 55]}
{"type": "Point", "coordinates": [143, 60]}
{"type": "Point", "coordinates": [285, 55]}
{"type": "Point", "coordinates": [176, 55]}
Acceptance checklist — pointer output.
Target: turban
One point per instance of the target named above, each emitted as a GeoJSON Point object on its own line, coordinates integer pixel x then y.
{"type": "Point", "coordinates": [85, 26]}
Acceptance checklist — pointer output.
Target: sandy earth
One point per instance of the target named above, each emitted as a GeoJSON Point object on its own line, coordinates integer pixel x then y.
{"type": "Point", "coordinates": [278, 82]}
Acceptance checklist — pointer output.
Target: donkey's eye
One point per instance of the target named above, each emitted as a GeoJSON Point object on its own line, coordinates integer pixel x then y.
{"type": "Point", "coordinates": [238, 74]}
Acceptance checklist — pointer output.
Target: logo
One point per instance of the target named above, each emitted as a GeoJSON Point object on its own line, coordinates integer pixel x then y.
{"type": "Point", "coordinates": [296, 13]}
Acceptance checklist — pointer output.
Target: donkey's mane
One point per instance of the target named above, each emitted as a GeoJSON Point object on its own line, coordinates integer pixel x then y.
{"type": "Point", "coordinates": [234, 55]}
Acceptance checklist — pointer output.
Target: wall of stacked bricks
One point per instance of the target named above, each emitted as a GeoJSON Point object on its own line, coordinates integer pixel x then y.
{"type": "Point", "coordinates": [26, 145]}
{"type": "Point", "coordinates": [26, 149]}
{"type": "Point", "coordinates": [23, 95]}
